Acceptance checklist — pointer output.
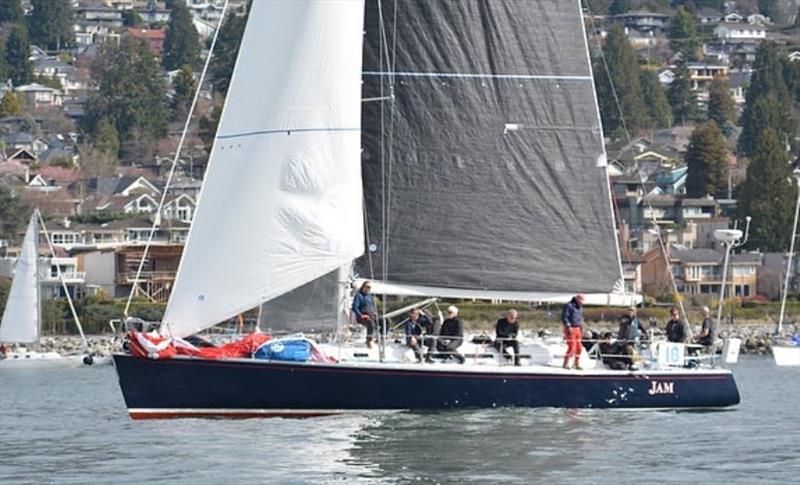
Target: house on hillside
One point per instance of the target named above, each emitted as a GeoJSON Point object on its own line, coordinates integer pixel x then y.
{"type": "Point", "coordinates": [740, 31]}
{"type": "Point", "coordinates": [643, 21]}
{"type": "Point", "coordinates": [772, 275]}
{"type": "Point", "coordinates": [100, 15]}
{"type": "Point", "coordinates": [699, 271]}
{"type": "Point", "coordinates": [702, 75]}
{"type": "Point", "coordinates": [154, 38]}
{"type": "Point", "coordinates": [24, 141]}
{"type": "Point", "coordinates": [39, 96]}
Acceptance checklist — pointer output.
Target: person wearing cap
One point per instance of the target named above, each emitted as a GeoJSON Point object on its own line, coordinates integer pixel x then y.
{"type": "Point", "coordinates": [630, 328]}
{"type": "Point", "coordinates": [506, 332]}
{"type": "Point", "coordinates": [677, 329]}
{"type": "Point", "coordinates": [364, 310]}
{"type": "Point", "coordinates": [416, 329]}
{"type": "Point", "coordinates": [571, 320]}
{"type": "Point", "coordinates": [451, 335]}
{"type": "Point", "coordinates": [708, 330]}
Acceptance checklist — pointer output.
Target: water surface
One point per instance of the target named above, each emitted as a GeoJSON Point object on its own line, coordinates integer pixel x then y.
{"type": "Point", "coordinates": [70, 426]}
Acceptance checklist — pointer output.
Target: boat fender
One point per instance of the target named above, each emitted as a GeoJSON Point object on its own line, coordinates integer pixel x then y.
{"type": "Point", "coordinates": [88, 359]}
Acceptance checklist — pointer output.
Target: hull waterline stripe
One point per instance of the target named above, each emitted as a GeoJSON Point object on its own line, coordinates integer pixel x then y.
{"type": "Point", "coordinates": [288, 131]}
{"type": "Point", "coordinates": [167, 413]}
{"type": "Point", "coordinates": [467, 75]}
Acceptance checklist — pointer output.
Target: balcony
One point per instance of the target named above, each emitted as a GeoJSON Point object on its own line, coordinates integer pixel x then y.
{"type": "Point", "coordinates": [70, 277]}
{"type": "Point", "coordinates": [129, 277]}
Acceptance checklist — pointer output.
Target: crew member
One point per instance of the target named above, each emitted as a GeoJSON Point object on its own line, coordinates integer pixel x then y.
{"type": "Point", "coordinates": [571, 320]}
{"type": "Point", "coordinates": [364, 310]}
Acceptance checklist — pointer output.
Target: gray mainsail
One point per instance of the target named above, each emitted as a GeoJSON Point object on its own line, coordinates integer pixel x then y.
{"type": "Point", "coordinates": [484, 167]}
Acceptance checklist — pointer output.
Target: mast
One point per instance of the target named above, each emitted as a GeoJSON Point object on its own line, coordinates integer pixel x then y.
{"type": "Point", "coordinates": [791, 256]}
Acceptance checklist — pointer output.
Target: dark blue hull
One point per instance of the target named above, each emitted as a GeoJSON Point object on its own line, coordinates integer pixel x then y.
{"type": "Point", "coordinates": [198, 387]}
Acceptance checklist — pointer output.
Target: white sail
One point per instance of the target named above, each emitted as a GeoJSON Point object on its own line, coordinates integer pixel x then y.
{"type": "Point", "coordinates": [281, 203]}
{"type": "Point", "coordinates": [21, 317]}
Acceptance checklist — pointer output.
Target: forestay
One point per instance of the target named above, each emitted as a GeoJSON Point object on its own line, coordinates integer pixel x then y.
{"type": "Point", "coordinates": [21, 317]}
{"type": "Point", "coordinates": [281, 203]}
{"type": "Point", "coordinates": [487, 171]}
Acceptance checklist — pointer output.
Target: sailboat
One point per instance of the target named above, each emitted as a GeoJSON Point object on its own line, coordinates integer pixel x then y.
{"type": "Point", "coordinates": [463, 158]}
{"type": "Point", "coordinates": [788, 354]}
{"type": "Point", "coordinates": [22, 317]}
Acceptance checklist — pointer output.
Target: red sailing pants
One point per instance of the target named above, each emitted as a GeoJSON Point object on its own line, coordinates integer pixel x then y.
{"type": "Point", "coordinates": [572, 335]}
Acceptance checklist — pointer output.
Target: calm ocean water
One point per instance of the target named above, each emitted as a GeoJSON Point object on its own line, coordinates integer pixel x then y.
{"type": "Point", "coordinates": [70, 426]}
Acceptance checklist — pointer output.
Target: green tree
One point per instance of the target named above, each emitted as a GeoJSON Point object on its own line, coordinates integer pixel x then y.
{"type": "Point", "coordinates": [721, 108]}
{"type": "Point", "coordinates": [767, 195]}
{"type": "Point", "coordinates": [182, 44]}
{"type": "Point", "coordinates": [683, 34]}
{"type": "Point", "coordinates": [11, 11]}
{"type": "Point", "coordinates": [105, 139]}
{"type": "Point", "coordinates": [707, 160]}
{"type": "Point", "coordinates": [226, 51]}
{"type": "Point", "coordinates": [50, 23]}
{"type": "Point", "coordinates": [658, 108]}
{"type": "Point", "coordinates": [131, 18]}
{"type": "Point", "coordinates": [619, 6]}
{"type": "Point", "coordinates": [17, 50]}
{"type": "Point", "coordinates": [184, 86]}
{"type": "Point", "coordinates": [128, 92]}
{"type": "Point", "coordinates": [624, 79]}
{"type": "Point", "coordinates": [9, 105]}
{"type": "Point", "coordinates": [208, 127]}
{"type": "Point", "coordinates": [768, 103]}
{"type": "Point", "coordinates": [682, 97]}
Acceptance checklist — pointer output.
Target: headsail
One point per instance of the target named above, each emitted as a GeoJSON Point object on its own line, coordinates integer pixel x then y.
{"type": "Point", "coordinates": [487, 170]}
{"type": "Point", "coordinates": [281, 203]}
{"type": "Point", "coordinates": [21, 318]}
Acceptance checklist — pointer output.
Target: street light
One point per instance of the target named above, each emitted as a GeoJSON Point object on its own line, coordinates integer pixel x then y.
{"type": "Point", "coordinates": [729, 238]}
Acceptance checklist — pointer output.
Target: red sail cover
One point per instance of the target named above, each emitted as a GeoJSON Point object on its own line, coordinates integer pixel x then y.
{"type": "Point", "coordinates": [154, 346]}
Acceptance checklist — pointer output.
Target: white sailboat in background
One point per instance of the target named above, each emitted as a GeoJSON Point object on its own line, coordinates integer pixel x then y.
{"type": "Point", "coordinates": [22, 317]}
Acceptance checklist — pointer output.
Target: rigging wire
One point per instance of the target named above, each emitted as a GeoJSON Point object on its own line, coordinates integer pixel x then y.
{"type": "Point", "coordinates": [157, 219]}
{"type": "Point", "coordinates": [60, 275]}
{"type": "Point", "coordinates": [629, 139]}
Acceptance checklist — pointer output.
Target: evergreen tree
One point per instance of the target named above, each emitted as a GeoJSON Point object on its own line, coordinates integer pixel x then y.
{"type": "Point", "coordinates": [721, 108]}
{"type": "Point", "coordinates": [182, 44]}
{"type": "Point", "coordinates": [767, 91]}
{"type": "Point", "coordinates": [619, 6]}
{"type": "Point", "coordinates": [658, 107]}
{"type": "Point", "coordinates": [768, 196]}
{"type": "Point", "coordinates": [9, 105]}
{"type": "Point", "coordinates": [226, 51]}
{"type": "Point", "coordinates": [683, 34]}
{"type": "Point", "coordinates": [129, 92]}
{"type": "Point", "coordinates": [105, 139]}
{"type": "Point", "coordinates": [11, 11]}
{"type": "Point", "coordinates": [208, 127]}
{"type": "Point", "coordinates": [681, 96]}
{"type": "Point", "coordinates": [624, 77]}
{"type": "Point", "coordinates": [17, 50]}
{"type": "Point", "coordinates": [184, 86]}
{"type": "Point", "coordinates": [50, 23]}
{"type": "Point", "coordinates": [707, 160]}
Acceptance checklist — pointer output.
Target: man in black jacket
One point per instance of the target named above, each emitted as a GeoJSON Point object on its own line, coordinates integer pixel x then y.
{"type": "Point", "coordinates": [677, 330]}
{"type": "Point", "coordinates": [506, 332]}
{"type": "Point", "coordinates": [450, 337]}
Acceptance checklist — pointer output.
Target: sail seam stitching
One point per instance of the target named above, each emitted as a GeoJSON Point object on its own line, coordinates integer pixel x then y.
{"type": "Point", "coordinates": [286, 131]}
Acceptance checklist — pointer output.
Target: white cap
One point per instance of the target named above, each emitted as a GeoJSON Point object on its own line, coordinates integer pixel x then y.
{"type": "Point", "coordinates": [452, 309]}
{"type": "Point", "coordinates": [706, 310]}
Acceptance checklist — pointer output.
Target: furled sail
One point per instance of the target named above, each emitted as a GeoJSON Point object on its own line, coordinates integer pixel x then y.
{"type": "Point", "coordinates": [487, 170]}
{"type": "Point", "coordinates": [281, 202]}
{"type": "Point", "coordinates": [21, 318]}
